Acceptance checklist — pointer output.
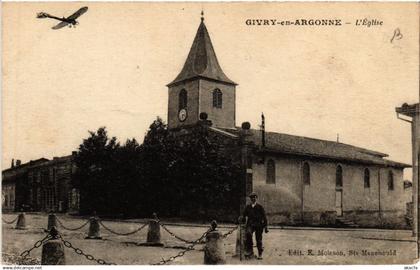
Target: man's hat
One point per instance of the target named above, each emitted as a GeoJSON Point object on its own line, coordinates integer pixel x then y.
{"type": "Point", "coordinates": [253, 194]}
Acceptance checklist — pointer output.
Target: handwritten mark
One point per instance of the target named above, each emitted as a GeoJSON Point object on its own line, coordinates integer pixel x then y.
{"type": "Point", "coordinates": [397, 35]}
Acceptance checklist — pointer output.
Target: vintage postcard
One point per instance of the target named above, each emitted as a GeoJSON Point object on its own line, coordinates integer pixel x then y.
{"type": "Point", "coordinates": [196, 133]}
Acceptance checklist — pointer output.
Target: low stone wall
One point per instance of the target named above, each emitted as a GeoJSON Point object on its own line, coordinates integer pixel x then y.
{"type": "Point", "coordinates": [283, 218]}
{"type": "Point", "coordinates": [386, 219]}
{"type": "Point", "coordinates": [320, 218]}
{"type": "Point", "coordinates": [364, 219]}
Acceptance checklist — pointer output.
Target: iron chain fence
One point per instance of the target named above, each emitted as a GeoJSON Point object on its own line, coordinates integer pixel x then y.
{"type": "Point", "coordinates": [37, 244]}
{"type": "Point", "coordinates": [71, 229]}
{"type": "Point", "coordinates": [80, 252]}
{"type": "Point", "coordinates": [53, 234]}
{"type": "Point", "coordinates": [123, 234]}
{"type": "Point", "coordinates": [229, 232]}
{"type": "Point", "coordinates": [178, 237]}
{"type": "Point", "coordinates": [182, 253]}
{"type": "Point", "coordinates": [10, 222]}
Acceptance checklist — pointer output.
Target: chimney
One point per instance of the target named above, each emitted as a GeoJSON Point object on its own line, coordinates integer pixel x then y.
{"type": "Point", "coordinates": [18, 162]}
{"type": "Point", "coordinates": [13, 163]}
{"type": "Point", "coordinates": [262, 130]}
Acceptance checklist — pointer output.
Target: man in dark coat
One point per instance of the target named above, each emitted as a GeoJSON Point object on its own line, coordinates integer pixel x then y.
{"type": "Point", "coordinates": [256, 221]}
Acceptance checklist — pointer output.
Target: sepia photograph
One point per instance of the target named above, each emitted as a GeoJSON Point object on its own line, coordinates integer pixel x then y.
{"type": "Point", "coordinates": [210, 133]}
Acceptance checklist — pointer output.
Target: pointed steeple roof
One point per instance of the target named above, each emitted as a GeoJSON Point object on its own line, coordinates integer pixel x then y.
{"type": "Point", "coordinates": [202, 60]}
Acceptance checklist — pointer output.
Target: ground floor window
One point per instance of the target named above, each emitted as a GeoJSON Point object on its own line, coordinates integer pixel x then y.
{"type": "Point", "coordinates": [339, 177]}
{"type": "Point", "coordinates": [306, 171]}
{"type": "Point", "coordinates": [367, 178]}
{"type": "Point", "coordinates": [271, 172]}
{"type": "Point", "coordinates": [390, 180]}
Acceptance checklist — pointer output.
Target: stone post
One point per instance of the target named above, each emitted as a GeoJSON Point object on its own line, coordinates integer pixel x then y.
{"type": "Point", "coordinates": [153, 232]}
{"type": "Point", "coordinates": [94, 232]}
{"type": "Point", "coordinates": [240, 240]}
{"type": "Point", "coordinates": [214, 251]}
{"type": "Point", "coordinates": [52, 221]}
{"type": "Point", "coordinates": [53, 250]}
{"type": "Point", "coordinates": [21, 222]}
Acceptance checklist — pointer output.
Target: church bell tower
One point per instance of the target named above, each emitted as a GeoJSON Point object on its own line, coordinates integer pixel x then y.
{"type": "Point", "coordinates": [201, 86]}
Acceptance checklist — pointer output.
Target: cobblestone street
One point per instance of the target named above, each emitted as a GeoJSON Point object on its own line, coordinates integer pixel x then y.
{"type": "Point", "coordinates": [282, 245]}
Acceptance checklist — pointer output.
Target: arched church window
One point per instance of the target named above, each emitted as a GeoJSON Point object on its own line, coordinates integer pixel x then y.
{"type": "Point", "coordinates": [271, 172]}
{"type": "Point", "coordinates": [390, 180]}
{"type": "Point", "coordinates": [306, 171]}
{"type": "Point", "coordinates": [183, 99]}
{"type": "Point", "coordinates": [339, 177]}
{"type": "Point", "coordinates": [367, 178]}
{"type": "Point", "coordinates": [217, 98]}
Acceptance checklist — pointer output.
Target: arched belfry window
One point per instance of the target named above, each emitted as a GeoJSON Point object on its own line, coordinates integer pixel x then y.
{"type": "Point", "coordinates": [271, 172]}
{"type": "Point", "coordinates": [390, 180]}
{"type": "Point", "coordinates": [306, 171]}
{"type": "Point", "coordinates": [217, 98]}
{"type": "Point", "coordinates": [339, 177]}
{"type": "Point", "coordinates": [183, 99]}
{"type": "Point", "coordinates": [367, 178]}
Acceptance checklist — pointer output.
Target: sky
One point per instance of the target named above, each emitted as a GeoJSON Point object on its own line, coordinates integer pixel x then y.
{"type": "Point", "coordinates": [111, 70]}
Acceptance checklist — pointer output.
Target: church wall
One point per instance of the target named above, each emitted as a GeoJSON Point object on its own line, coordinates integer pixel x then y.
{"type": "Point", "coordinates": [220, 117]}
{"type": "Point", "coordinates": [192, 104]}
{"type": "Point", "coordinates": [322, 181]}
{"type": "Point", "coordinates": [393, 203]}
{"type": "Point", "coordinates": [355, 195]}
{"type": "Point", "coordinates": [283, 200]}
{"type": "Point", "coordinates": [369, 207]}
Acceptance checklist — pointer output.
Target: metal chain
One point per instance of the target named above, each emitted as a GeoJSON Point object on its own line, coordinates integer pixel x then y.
{"type": "Point", "coordinates": [229, 232]}
{"type": "Point", "coordinates": [10, 222]}
{"type": "Point", "coordinates": [71, 229]}
{"type": "Point", "coordinates": [124, 234]}
{"type": "Point", "coordinates": [80, 252]}
{"type": "Point", "coordinates": [36, 245]}
{"type": "Point", "coordinates": [177, 237]}
{"type": "Point", "coordinates": [182, 253]}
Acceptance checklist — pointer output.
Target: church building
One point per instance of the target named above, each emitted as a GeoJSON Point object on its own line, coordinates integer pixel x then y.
{"type": "Point", "coordinates": [298, 180]}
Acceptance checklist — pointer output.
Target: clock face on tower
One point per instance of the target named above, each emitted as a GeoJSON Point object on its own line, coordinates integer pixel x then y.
{"type": "Point", "coordinates": [182, 115]}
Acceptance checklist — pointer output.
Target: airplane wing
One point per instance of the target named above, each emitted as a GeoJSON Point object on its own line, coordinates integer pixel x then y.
{"type": "Point", "coordinates": [60, 25]}
{"type": "Point", "coordinates": [77, 13]}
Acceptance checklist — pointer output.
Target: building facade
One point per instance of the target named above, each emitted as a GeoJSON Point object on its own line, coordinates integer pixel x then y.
{"type": "Point", "coordinates": [413, 113]}
{"type": "Point", "coordinates": [298, 180]}
{"type": "Point", "coordinates": [8, 196]}
{"type": "Point", "coordinates": [15, 185]}
{"type": "Point", "coordinates": [42, 185]}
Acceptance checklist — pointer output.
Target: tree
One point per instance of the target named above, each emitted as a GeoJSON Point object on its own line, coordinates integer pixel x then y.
{"type": "Point", "coordinates": [193, 172]}
{"type": "Point", "coordinates": [157, 155]}
{"type": "Point", "coordinates": [95, 173]}
{"type": "Point", "coordinates": [171, 173]}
